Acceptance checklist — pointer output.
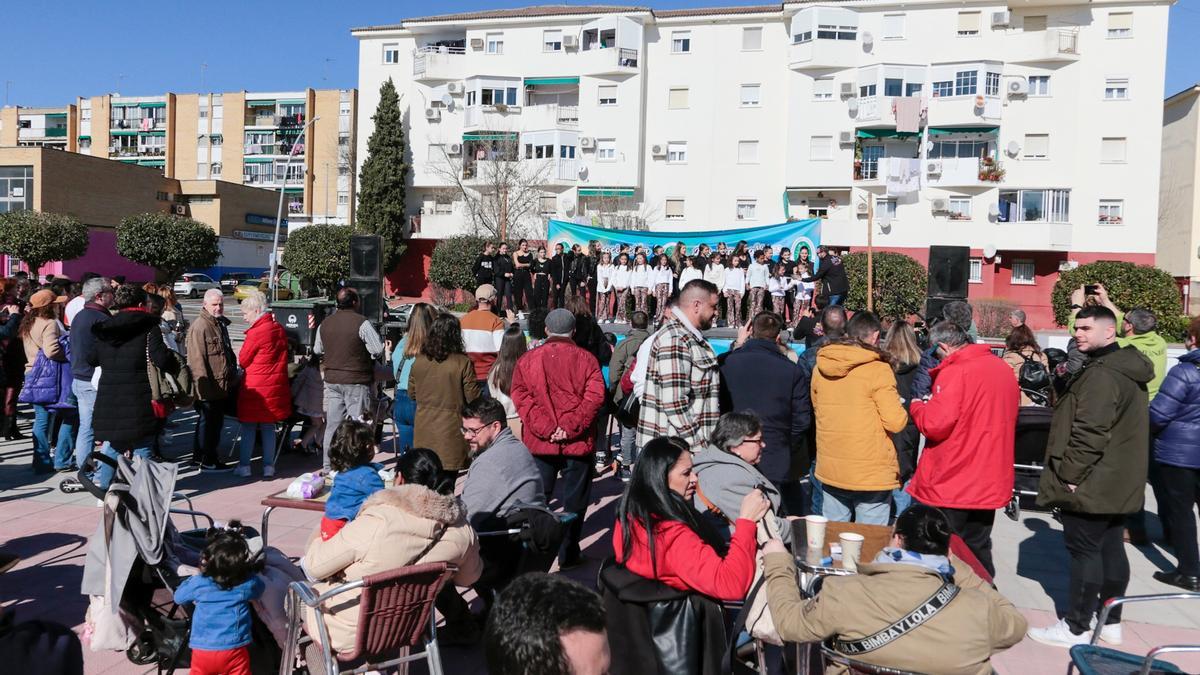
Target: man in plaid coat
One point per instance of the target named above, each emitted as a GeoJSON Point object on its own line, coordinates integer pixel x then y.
{"type": "Point", "coordinates": [681, 396]}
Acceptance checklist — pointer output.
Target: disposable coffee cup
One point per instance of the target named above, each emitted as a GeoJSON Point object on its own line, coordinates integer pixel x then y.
{"type": "Point", "coordinates": [851, 549]}
{"type": "Point", "coordinates": [816, 531]}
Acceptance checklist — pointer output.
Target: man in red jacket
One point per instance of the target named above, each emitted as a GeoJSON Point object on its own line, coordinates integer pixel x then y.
{"type": "Point", "coordinates": [969, 423]}
{"type": "Point", "coordinates": [558, 391]}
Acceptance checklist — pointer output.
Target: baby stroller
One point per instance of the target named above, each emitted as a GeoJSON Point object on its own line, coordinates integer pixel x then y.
{"type": "Point", "coordinates": [136, 560]}
{"type": "Point", "coordinates": [1029, 454]}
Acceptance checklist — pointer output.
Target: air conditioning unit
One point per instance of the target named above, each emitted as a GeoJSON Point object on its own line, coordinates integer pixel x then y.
{"type": "Point", "coordinates": [1018, 86]}
{"type": "Point", "coordinates": [939, 205]}
{"type": "Point", "coordinates": [454, 87]}
{"type": "Point", "coordinates": [845, 137]}
{"type": "Point", "coordinates": [477, 43]}
{"type": "Point", "coordinates": [179, 209]}
{"type": "Point", "coordinates": [861, 208]}
{"type": "Point", "coordinates": [433, 114]}
{"type": "Point", "coordinates": [586, 142]}
{"type": "Point", "coordinates": [933, 167]}
{"type": "Point", "coordinates": [658, 150]}
{"type": "Point", "coordinates": [454, 149]}
{"type": "Point", "coordinates": [1001, 19]}
{"type": "Point", "coordinates": [847, 89]}
{"type": "Point", "coordinates": [570, 42]}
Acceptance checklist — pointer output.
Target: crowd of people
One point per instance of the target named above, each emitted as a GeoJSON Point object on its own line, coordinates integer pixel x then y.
{"type": "Point", "coordinates": [874, 423]}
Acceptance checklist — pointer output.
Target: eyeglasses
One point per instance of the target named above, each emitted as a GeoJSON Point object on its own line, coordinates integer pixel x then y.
{"type": "Point", "coordinates": [468, 431]}
{"type": "Point", "coordinates": [759, 441]}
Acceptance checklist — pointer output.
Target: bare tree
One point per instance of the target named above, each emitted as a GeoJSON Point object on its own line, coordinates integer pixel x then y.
{"type": "Point", "coordinates": [619, 213]}
{"type": "Point", "coordinates": [499, 185]}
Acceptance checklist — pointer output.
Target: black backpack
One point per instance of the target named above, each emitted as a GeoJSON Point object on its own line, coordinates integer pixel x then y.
{"type": "Point", "coordinates": [1033, 376]}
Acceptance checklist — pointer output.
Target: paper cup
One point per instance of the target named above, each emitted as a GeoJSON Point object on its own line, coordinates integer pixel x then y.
{"type": "Point", "coordinates": [816, 531]}
{"type": "Point", "coordinates": [851, 549]}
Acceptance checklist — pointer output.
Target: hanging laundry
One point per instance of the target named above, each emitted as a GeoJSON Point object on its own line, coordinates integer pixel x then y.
{"type": "Point", "coordinates": [903, 176]}
{"type": "Point", "coordinates": [908, 114]}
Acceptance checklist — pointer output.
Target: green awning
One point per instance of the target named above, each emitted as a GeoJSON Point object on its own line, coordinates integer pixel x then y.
{"type": "Point", "coordinates": [883, 133]}
{"type": "Point", "coordinates": [56, 114]}
{"type": "Point", "coordinates": [945, 131]}
{"type": "Point", "coordinates": [292, 101]}
{"type": "Point", "coordinates": [293, 191]}
{"type": "Point", "coordinates": [115, 104]}
{"type": "Point", "coordinates": [490, 136]}
{"type": "Point", "coordinates": [261, 103]}
{"type": "Point", "coordinates": [123, 133]}
{"type": "Point", "coordinates": [258, 160]}
{"type": "Point", "coordinates": [152, 162]}
{"type": "Point", "coordinates": [153, 104]}
{"type": "Point", "coordinates": [128, 161]}
{"type": "Point", "coordinates": [153, 133]}
{"type": "Point", "coordinates": [606, 192]}
{"type": "Point", "coordinates": [85, 138]}
{"type": "Point", "coordinates": [551, 80]}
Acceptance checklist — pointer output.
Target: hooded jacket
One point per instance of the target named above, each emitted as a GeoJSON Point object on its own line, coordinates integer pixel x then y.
{"type": "Point", "coordinates": [970, 426]}
{"type": "Point", "coordinates": [856, 406]}
{"type": "Point", "coordinates": [124, 416]}
{"type": "Point", "coordinates": [1175, 414]}
{"type": "Point", "coordinates": [1154, 347]}
{"type": "Point", "coordinates": [725, 479]}
{"type": "Point", "coordinates": [402, 526]}
{"type": "Point", "coordinates": [558, 385]}
{"type": "Point", "coordinates": [266, 395]}
{"type": "Point", "coordinates": [1099, 437]}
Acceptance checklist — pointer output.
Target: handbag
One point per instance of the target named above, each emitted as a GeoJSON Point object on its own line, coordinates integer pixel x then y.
{"type": "Point", "coordinates": [44, 374]}
{"type": "Point", "coordinates": [166, 390]}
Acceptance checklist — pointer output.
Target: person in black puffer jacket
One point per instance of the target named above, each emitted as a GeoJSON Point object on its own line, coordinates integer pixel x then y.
{"type": "Point", "coordinates": [124, 416]}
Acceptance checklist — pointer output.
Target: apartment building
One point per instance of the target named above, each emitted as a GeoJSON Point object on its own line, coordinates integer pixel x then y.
{"type": "Point", "coordinates": [1026, 132]}
{"type": "Point", "coordinates": [1179, 193]}
{"type": "Point", "coordinates": [37, 127]}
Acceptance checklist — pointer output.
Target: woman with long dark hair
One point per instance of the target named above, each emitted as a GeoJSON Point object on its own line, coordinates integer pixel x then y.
{"type": "Point", "coordinates": [659, 535]}
{"type": "Point", "coordinates": [512, 347]}
{"type": "Point", "coordinates": [1021, 346]}
{"type": "Point", "coordinates": [442, 381]}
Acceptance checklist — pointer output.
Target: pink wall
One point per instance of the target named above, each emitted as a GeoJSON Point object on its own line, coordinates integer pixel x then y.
{"type": "Point", "coordinates": [101, 258]}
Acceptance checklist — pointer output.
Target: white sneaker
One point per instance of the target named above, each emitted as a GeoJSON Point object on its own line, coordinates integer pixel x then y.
{"type": "Point", "coordinates": [1111, 633]}
{"type": "Point", "coordinates": [268, 471]}
{"type": "Point", "coordinates": [242, 472]}
{"type": "Point", "coordinates": [1058, 635]}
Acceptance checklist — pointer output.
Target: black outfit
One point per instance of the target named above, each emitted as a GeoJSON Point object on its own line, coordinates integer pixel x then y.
{"type": "Point", "coordinates": [482, 269]}
{"type": "Point", "coordinates": [906, 441]}
{"type": "Point", "coordinates": [576, 475]}
{"type": "Point", "coordinates": [503, 268]}
{"type": "Point", "coordinates": [522, 285]}
{"type": "Point", "coordinates": [832, 276]}
{"type": "Point", "coordinates": [560, 275]}
{"type": "Point", "coordinates": [123, 414]}
{"type": "Point", "coordinates": [540, 269]}
{"type": "Point", "coordinates": [39, 647]}
{"type": "Point", "coordinates": [1182, 487]}
{"type": "Point", "coordinates": [806, 329]}
{"type": "Point", "coordinates": [789, 297]}
{"type": "Point", "coordinates": [700, 262]}
{"type": "Point", "coordinates": [1099, 567]}
{"type": "Point", "coordinates": [975, 528]}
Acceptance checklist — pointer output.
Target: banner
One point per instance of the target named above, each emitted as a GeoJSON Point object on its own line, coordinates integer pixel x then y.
{"type": "Point", "coordinates": [794, 235]}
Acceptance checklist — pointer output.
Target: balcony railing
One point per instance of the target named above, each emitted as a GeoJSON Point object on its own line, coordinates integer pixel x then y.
{"type": "Point", "coordinates": [273, 120]}
{"type": "Point", "coordinates": [271, 149]}
{"type": "Point", "coordinates": [438, 62]}
{"type": "Point", "coordinates": [122, 151]}
{"type": "Point", "coordinates": [156, 123]}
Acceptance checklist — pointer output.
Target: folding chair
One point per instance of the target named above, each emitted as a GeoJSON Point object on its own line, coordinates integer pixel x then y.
{"type": "Point", "coordinates": [395, 609]}
{"type": "Point", "coordinates": [1092, 659]}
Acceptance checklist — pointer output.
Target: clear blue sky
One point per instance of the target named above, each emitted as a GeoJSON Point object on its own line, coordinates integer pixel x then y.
{"type": "Point", "coordinates": [56, 51]}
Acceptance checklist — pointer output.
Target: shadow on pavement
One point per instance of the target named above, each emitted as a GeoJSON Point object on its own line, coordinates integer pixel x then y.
{"type": "Point", "coordinates": [1043, 558]}
{"type": "Point", "coordinates": [48, 588]}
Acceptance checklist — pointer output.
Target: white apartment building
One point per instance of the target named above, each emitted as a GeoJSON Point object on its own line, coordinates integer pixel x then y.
{"type": "Point", "coordinates": [1037, 124]}
{"type": "Point", "coordinates": [1179, 192]}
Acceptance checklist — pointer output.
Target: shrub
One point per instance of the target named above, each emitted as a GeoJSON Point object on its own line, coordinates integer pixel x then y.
{"type": "Point", "coordinates": [170, 244]}
{"type": "Point", "coordinates": [900, 283]}
{"type": "Point", "coordinates": [1129, 286]}
{"type": "Point", "coordinates": [991, 317]}
{"type": "Point", "coordinates": [450, 265]}
{"type": "Point", "coordinates": [319, 255]}
{"type": "Point", "coordinates": [37, 238]}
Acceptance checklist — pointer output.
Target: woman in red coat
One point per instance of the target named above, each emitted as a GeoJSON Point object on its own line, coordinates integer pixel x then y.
{"type": "Point", "coordinates": [265, 398]}
{"type": "Point", "coordinates": [679, 549]}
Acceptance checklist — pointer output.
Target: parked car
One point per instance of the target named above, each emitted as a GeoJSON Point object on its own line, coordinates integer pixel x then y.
{"type": "Point", "coordinates": [248, 285]}
{"type": "Point", "coordinates": [193, 284]}
{"type": "Point", "coordinates": [230, 280]}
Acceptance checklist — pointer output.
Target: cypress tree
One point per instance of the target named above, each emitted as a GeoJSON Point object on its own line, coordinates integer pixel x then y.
{"type": "Point", "coordinates": [381, 184]}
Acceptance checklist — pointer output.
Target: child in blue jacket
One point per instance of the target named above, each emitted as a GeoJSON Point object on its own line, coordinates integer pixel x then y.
{"type": "Point", "coordinates": [350, 453]}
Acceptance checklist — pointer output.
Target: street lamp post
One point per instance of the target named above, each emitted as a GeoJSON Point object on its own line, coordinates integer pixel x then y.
{"type": "Point", "coordinates": [273, 284]}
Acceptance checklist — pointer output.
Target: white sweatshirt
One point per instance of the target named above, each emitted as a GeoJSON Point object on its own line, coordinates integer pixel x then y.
{"type": "Point", "coordinates": [688, 274]}
{"type": "Point", "coordinates": [735, 280]}
{"type": "Point", "coordinates": [779, 286]}
{"type": "Point", "coordinates": [620, 277]}
{"type": "Point", "coordinates": [715, 274]}
{"type": "Point", "coordinates": [758, 274]}
{"type": "Point", "coordinates": [604, 274]}
{"type": "Point", "coordinates": [663, 275]}
{"type": "Point", "coordinates": [639, 277]}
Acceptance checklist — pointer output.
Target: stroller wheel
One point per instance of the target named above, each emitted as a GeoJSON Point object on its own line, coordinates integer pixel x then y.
{"type": "Point", "coordinates": [143, 651]}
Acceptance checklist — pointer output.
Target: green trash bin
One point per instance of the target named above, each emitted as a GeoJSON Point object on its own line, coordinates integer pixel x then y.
{"type": "Point", "coordinates": [300, 318]}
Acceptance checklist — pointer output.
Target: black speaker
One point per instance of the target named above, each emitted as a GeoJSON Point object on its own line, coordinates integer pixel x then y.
{"type": "Point", "coordinates": [366, 257]}
{"type": "Point", "coordinates": [949, 267]}
{"type": "Point", "coordinates": [371, 303]}
{"type": "Point", "coordinates": [300, 319]}
{"type": "Point", "coordinates": [933, 309]}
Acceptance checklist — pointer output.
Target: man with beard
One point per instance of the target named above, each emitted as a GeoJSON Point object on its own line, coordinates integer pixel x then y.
{"type": "Point", "coordinates": [502, 471]}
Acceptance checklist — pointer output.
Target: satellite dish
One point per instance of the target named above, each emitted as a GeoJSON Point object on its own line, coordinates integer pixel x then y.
{"type": "Point", "coordinates": [583, 172]}
{"type": "Point", "coordinates": [989, 251]}
{"type": "Point", "coordinates": [447, 100]}
{"type": "Point", "coordinates": [1013, 148]}
{"type": "Point", "coordinates": [929, 145]}
{"type": "Point", "coordinates": [994, 210]}
{"type": "Point", "coordinates": [867, 37]}
{"type": "Point", "coordinates": [569, 207]}
{"type": "Point", "coordinates": [853, 106]}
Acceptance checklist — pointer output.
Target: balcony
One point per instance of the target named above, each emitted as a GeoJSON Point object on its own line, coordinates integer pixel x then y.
{"type": "Point", "coordinates": [553, 171]}
{"type": "Point", "coordinates": [1053, 45]}
{"type": "Point", "coordinates": [824, 54]}
{"type": "Point", "coordinates": [875, 111]}
{"type": "Point", "coordinates": [272, 149]}
{"type": "Point", "coordinates": [952, 111]}
{"type": "Point", "coordinates": [122, 151]}
{"type": "Point", "coordinates": [609, 61]}
{"type": "Point", "coordinates": [489, 116]}
{"type": "Point", "coordinates": [438, 62]}
{"type": "Point", "coordinates": [1033, 236]}
{"type": "Point", "coordinates": [963, 172]}
{"type": "Point", "coordinates": [549, 116]}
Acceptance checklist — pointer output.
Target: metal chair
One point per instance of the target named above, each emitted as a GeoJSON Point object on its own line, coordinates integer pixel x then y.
{"type": "Point", "coordinates": [394, 610]}
{"type": "Point", "coordinates": [830, 656]}
{"type": "Point", "coordinates": [1092, 659]}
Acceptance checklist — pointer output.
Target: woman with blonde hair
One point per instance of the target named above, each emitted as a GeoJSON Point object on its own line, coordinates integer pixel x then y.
{"type": "Point", "coordinates": [404, 410]}
{"type": "Point", "coordinates": [902, 345]}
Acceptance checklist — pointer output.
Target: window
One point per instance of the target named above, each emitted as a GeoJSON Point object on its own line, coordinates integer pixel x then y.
{"type": "Point", "coordinates": [1116, 88]}
{"type": "Point", "coordinates": [547, 205]}
{"type": "Point", "coordinates": [495, 43]}
{"type": "Point", "coordinates": [1033, 23]}
{"type": "Point", "coordinates": [746, 209]}
{"type": "Point", "coordinates": [885, 209]}
{"type": "Point", "coordinates": [1120, 24]}
{"type": "Point", "coordinates": [968, 23]}
{"type": "Point", "coordinates": [747, 152]}
{"type": "Point", "coordinates": [538, 151]}
{"type": "Point", "coordinates": [677, 153]}
{"type": "Point", "coordinates": [975, 271]}
{"type": "Point", "coordinates": [674, 209]}
{"type": "Point", "coordinates": [820, 147]}
{"type": "Point", "coordinates": [1035, 206]}
{"type": "Point", "coordinates": [566, 151]}
{"type": "Point", "coordinates": [681, 42]}
{"type": "Point", "coordinates": [893, 26]}
{"type": "Point", "coordinates": [677, 98]}
{"type": "Point", "coordinates": [161, 196]}
{"type": "Point", "coordinates": [866, 91]}
{"type": "Point", "coordinates": [991, 84]}
{"type": "Point", "coordinates": [391, 54]}
{"type": "Point", "coordinates": [606, 150]}
{"type": "Point", "coordinates": [750, 95]}
{"type": "Point", "coordinates": [893, 86]}
{"type": "Point", "coordinates": [871, 154]}
{"type": "Point", "coordinates": [1022, 273]}
{"type": "Point", "coordinates": [496, 96]}
{"type": "Point", "coordinates": [944, 88]}
{"type": "Point", "coordinates": [752, 39]}
{"type": "Point", "coordinates": [912, 89]}
{"type": "Point", "coordinates": [608, 94]}
{"type": "Point", "coordinates": [960, 208]}
{"type": "Point", "coordinates": [823, 89]}
{"type": "Point", "coordinates": [1037, 146]}
{"type": "Point", "coordinates": [832, 32]}
{"type": "Point", "coordinates": [85, 144]}
{"type": "Point", "coordinates": [1112, 211]}
{"type": "Point", "coordinates": [1112, 150]}
{"type": "Point", "coordinates": [552, 40]}
{"type": "Point", "coordinates": [344, 198]}
{"type": "Point", "coordinates": [966, 82]}
{"type": "Point", "coordinates": [960, 149]}
{"type": "Point", "coordinates": [1039, 85]}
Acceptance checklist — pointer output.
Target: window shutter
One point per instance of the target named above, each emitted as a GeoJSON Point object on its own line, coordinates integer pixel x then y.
{"type": "Point", "coordinates": [1120, 21]}
{"type": "Point", "coordinates": [678, 98]}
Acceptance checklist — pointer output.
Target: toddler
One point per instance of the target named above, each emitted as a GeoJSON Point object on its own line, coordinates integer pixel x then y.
{"type": "Point", "coordinates": [350, 453]}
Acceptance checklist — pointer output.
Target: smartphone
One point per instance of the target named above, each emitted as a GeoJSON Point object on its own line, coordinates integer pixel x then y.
{"type": "Point", "coordinates": [1091, 289]}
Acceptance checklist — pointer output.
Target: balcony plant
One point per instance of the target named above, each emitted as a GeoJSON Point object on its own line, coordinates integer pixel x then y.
{"type": "Point", "coordinates": [990, 170]}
